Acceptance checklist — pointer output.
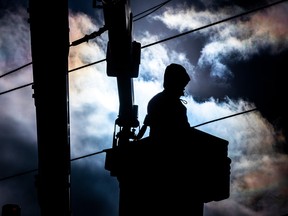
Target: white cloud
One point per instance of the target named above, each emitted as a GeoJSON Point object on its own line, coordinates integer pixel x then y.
{"type": "Point", "coordinates": [248, 134]}
{"type": "Point", "coordinates": [238, 38]}
{"type": "Point", "coordinates": [94, 108]}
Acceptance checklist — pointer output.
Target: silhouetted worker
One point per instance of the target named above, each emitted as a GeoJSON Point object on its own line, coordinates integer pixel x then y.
{"type": "Point", "coordinates": [176, 169]}
{"type": "Point", "coordinates": [166, 113]}
{"type": "Point", "coordinates": [175, 191]}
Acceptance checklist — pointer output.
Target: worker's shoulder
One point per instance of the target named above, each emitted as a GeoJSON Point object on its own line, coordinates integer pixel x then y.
{"type": "Point", "coordinates": [161, 96]}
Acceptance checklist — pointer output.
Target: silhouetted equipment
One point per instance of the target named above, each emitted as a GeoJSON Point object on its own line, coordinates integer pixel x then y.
{"type": "Point", "coordinates": [11, 210]}
{"type": "Point", "coordinates": [123, 54]}
{"type": "Point", "coordinates": [86, 38]}
{"type": "Point", "coordinates": [123, 59]}
{"type": "Point", "coordinates": [151, 178]}
{"type": "Point", "coordinates": [50, 51]}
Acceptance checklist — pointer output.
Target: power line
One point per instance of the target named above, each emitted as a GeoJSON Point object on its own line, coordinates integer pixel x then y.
{"type": "Point", "coordinates": [94, 34]}
{"type": "Point", "coordinates": [5, 74]}
{"type": "Point", "coordinates": [215, 23]}
{"type": "Point", "coordinates": [163, 40]}
{"type": "Point", "coordinates": [86, 65]}
{"type": "Point", "coordinates": [10, 90]}
{"type": "Point", "coordinates": [157, 42]}
{"type": "Point", "coordinates": [105, 150]}
{"type": "Point", "coordinates": [225, 117]}
{"type": "Point", "coordinates": [18, 174]}
{"type": "Point", "coordinates": [155, 8]}
{"type": "Point", "coordinates": [34, 170]}
{"type": "Point", "coordinates": [193, 30]}
{"type": "Point", "coordinates": [87, 37]}
{"type": "Point", "coordinates": [160, 41]}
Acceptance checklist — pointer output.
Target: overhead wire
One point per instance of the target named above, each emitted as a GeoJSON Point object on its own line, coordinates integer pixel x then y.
{"type": "Point", "coordinates": [105, 150]}
{"type": "Point", "coordinates": [148, 45]}
{"type": "Point", "coordinates": [152, 10]}
{"type": "Point", "coordinates": [215, 23]}
{"type": "Point", "coordinates": [160, 41]}
{"type": "Point", "coordinates": [208, 122]}
{"type": "Point", "coordinates": [17, 69]}
{"type": "Point", "coordinates": [19, 87]}
{"type": "Point", "coordinates": [34, 170]}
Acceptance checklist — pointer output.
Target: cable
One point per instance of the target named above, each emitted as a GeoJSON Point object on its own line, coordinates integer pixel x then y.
{"type": "Point", "coordinates": [5, 74]}
{"type": "Point", "coordinates": [155, 9]}
{"type": "Point", "coordinates": [1, 93]}
{"type": "Point", "coordinates": [10, 90]}
{"type": "Point", "coordinates": [169, 38]}
{"type": "Point", "coordinates": [225, 117]}
{"type": "Point", "coordinates": [165, 39]}
{"type": "Point", "coordinates": [86, 65]}
{"type": "Point", "coordinates": [87, 155]}
{"type": "Point", "coordinates": [188, 32]}
{"type": "Point", "coordinates": [215, 23]}
{"type": "Point", "coordinates": [34, 170]}
{"type": "Point", "coordinates": [18, 174]}
{"type": "Point", "coordinates": [105, 150]}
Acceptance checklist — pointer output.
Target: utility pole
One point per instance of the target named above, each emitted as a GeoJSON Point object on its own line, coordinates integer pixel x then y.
{"type": "Point", "coordinates": [49, 30]}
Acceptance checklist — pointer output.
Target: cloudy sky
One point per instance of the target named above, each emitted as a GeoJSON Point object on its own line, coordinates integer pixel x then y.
{"type": "Point", "coordinates": [235, 66]}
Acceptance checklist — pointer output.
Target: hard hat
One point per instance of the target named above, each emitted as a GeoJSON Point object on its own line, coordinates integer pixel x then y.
{"type": "Point", "coordinates": [175, 76]}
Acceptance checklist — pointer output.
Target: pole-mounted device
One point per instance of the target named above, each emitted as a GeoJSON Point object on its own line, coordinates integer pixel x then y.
{"type": "Point", "coordinates": [123, 59]}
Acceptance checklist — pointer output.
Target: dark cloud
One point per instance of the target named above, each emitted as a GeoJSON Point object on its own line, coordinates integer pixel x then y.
{"type": "Point", "coordinates": [12, 4]}
{"type": "Point", "coordinates": [13, 146]}
{"type": "Point", "coordinates": [216, 5]}
{"type": "Point", "coordinates": [94, 192]}
{"type": "Point", "coordinates": [262, 80]}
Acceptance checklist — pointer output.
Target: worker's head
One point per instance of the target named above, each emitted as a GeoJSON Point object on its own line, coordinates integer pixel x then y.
{"type": "Point", "coordinates": [175, 78]}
